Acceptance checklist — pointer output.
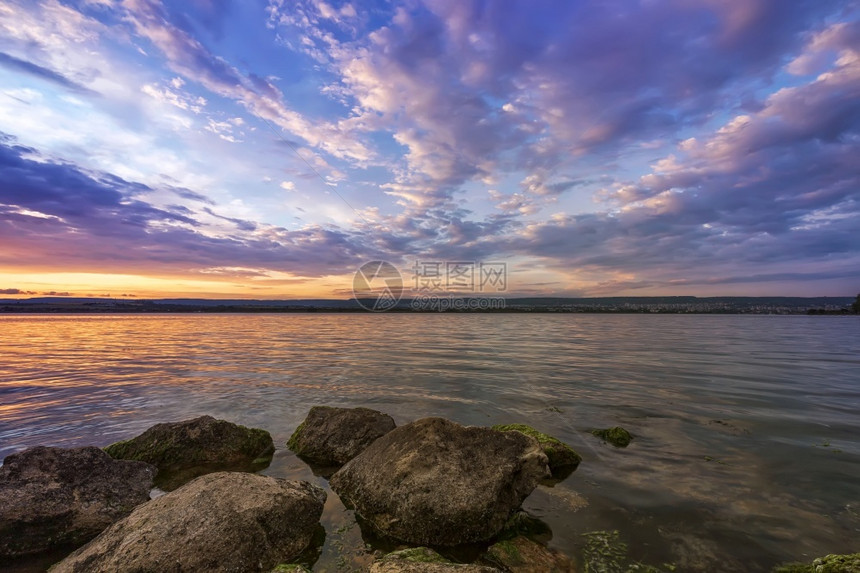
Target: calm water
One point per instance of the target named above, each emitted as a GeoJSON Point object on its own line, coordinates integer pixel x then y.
{"type": "Point", "coordinates": [747, 449]}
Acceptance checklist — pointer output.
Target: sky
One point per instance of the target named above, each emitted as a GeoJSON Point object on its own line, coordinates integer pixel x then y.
{"type": "Point", "coordinates": [268, 148]}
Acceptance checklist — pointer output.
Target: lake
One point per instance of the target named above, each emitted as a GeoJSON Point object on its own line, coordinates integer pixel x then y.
{"type": "Point", "coordinates": [747, 428]}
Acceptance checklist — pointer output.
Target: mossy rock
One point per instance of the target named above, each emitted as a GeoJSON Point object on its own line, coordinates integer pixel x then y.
{"type": "Point", "coordinates": [617, 436]}
{"type": "Point", "coordinates": [417, 555]}
{"type": "Point", "coordinates": [828, 564]}
{"type": "Point", "coordinates": [330, 437]}
{"type": "Point", "coordinates": [436, 483]}
{"type": "Point", "coordinates": [290, 568]}
{"type": "Point", "coordinates": [523, 555]}
{"type": "Point", "coordinates": [184, 450]}
{"type": "Point", "coordinates": [837, 564]}
{"type": "Point", "coordinates": [293, 442]}
{"type": "Point", "coordinates": [424, 560]}
{"type": "Point", "coordinates": [562, 458]}
{"type": "Point", "coordinates": [506, 553]}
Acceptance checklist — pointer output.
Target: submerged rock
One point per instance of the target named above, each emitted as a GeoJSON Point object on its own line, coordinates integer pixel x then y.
{"type": "Point", "coordinates": [54, 497]}
{"type": "Point", "coordinates": [523, 524]}
{"type": "Point", "coordinates": [523, 555]}
{"type": "Point", "coordinates": [224, 521]}
{"type": "Point", "coordinates": [333, 436]}
{"type": "Point", "coordinates": [562, 459]}
{"type": "Point", "coordinates": [423, 560]}
{"type": "Point", "coordinates": [604, 551]}
{"type": "Point", "coordinates": [290, 568]}
{"type": "Point", "coordinates": [435, 482]}
{"type": "Point", "coordinates": [184, 450]}
{"type": "Point", "coordinates": [617, 436]}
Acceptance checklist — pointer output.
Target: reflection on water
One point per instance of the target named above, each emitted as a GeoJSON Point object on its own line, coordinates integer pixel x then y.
{"type": "Point", "coordinates": [747, 448]}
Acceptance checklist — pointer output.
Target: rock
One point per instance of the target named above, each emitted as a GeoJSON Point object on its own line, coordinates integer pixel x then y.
{"type": "Point", "coordinates": [617, 436]}
{"type": "Point", "coordinates": [225, 521]}
{"type": "Point", "coordinates": [423, 560]}
{"type": "Point", "coordinates": [435, 482]}
{"type": "Point", "coordinates": [54, 497]}
{"type": "Point", "coordinates": [333, 436]}
{"type": "Point", "coordinates": [837, 564]}
{"type": "Point", "coordinates": [827, 564]}
{"type": "Point", "coordinates": [290, 568]}
{"type": "Point", "coordinates": [522, 555]}
{"type": "Point", "coordinates": [184, 450]}
{"type": "Point", "coordinates": [562, 459]}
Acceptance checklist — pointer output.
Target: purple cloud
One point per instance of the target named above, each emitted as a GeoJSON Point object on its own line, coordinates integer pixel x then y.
{"type": "Point", "coordinates": [474, 89]}
{"type": "Point", "coordinates": [16, 64]}
{"type": "Point", "coordinates": [56, 215]}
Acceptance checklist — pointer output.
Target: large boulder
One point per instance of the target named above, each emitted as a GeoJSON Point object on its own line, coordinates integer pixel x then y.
{"type": "Point", "coordinates": [55, 497]}
{"type": "Point", "coordinates": [226, 521]}
{"type": "Point", "coordinates": [333, 436]}
{"type": "Point", "coordinates": [424, 560]}
{"type": "Point", "coordinates": [435, 482]}
{"type": "Point", "coordinates": [184, 450]}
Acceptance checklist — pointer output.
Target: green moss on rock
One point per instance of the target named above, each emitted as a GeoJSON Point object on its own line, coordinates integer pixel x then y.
{"type": "Point", "coordinates": [511, 554]}
{"type": "Point", "coordinates": [293, 442]}
{"type": "Point", "coordinates": [524, 555]}
{"type": "Point", "coordinates": [617, 436]}
{"type": "Point", "coordinates": [560, 455]}
{"type": "Point", "coordinates": [837, 564]}
{"type": "Point", "coordinates": [827, 564]}
{"type": "Point", "coordinates": [416, 555]}
{"type": "Point", "coordinates": [290, 568]}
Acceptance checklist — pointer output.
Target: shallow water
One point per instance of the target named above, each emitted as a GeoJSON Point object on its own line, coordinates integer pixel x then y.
{"type": "Point", "coordinates": [747, 447]}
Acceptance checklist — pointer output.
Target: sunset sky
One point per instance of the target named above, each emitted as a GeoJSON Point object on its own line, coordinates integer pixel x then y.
{"type": "Point", "coordinates": [266, 149]}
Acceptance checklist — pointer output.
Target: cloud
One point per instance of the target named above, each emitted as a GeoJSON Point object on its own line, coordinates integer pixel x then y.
{"type": "Point", "coordinates": [474, 89]}
{"type": "Point", "coordinates": [288, 186]}
{"type": "Point", "coordinates": [19, 65]}
{"type": "Point", "coordinates": [188, 56]}
{"type": "Point", "coordinates": [57, 216]}
{"type": "Point", "coordinates": [15, 291]}
{"type": "Point", "coordinates": [762, 195]}
{"type": "Point", "coordinates": [174, 96]}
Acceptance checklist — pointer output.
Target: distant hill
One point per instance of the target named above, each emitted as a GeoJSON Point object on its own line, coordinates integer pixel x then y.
{"type": "Point", "coordinates": [670, 304]}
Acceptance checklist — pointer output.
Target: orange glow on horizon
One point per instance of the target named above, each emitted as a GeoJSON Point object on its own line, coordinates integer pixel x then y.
{"type": "Point", "coordinates": [179, 286]}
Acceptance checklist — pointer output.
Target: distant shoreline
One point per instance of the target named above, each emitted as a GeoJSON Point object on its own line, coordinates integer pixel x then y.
{"type": "Point", "coordinates": [833, 306]}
